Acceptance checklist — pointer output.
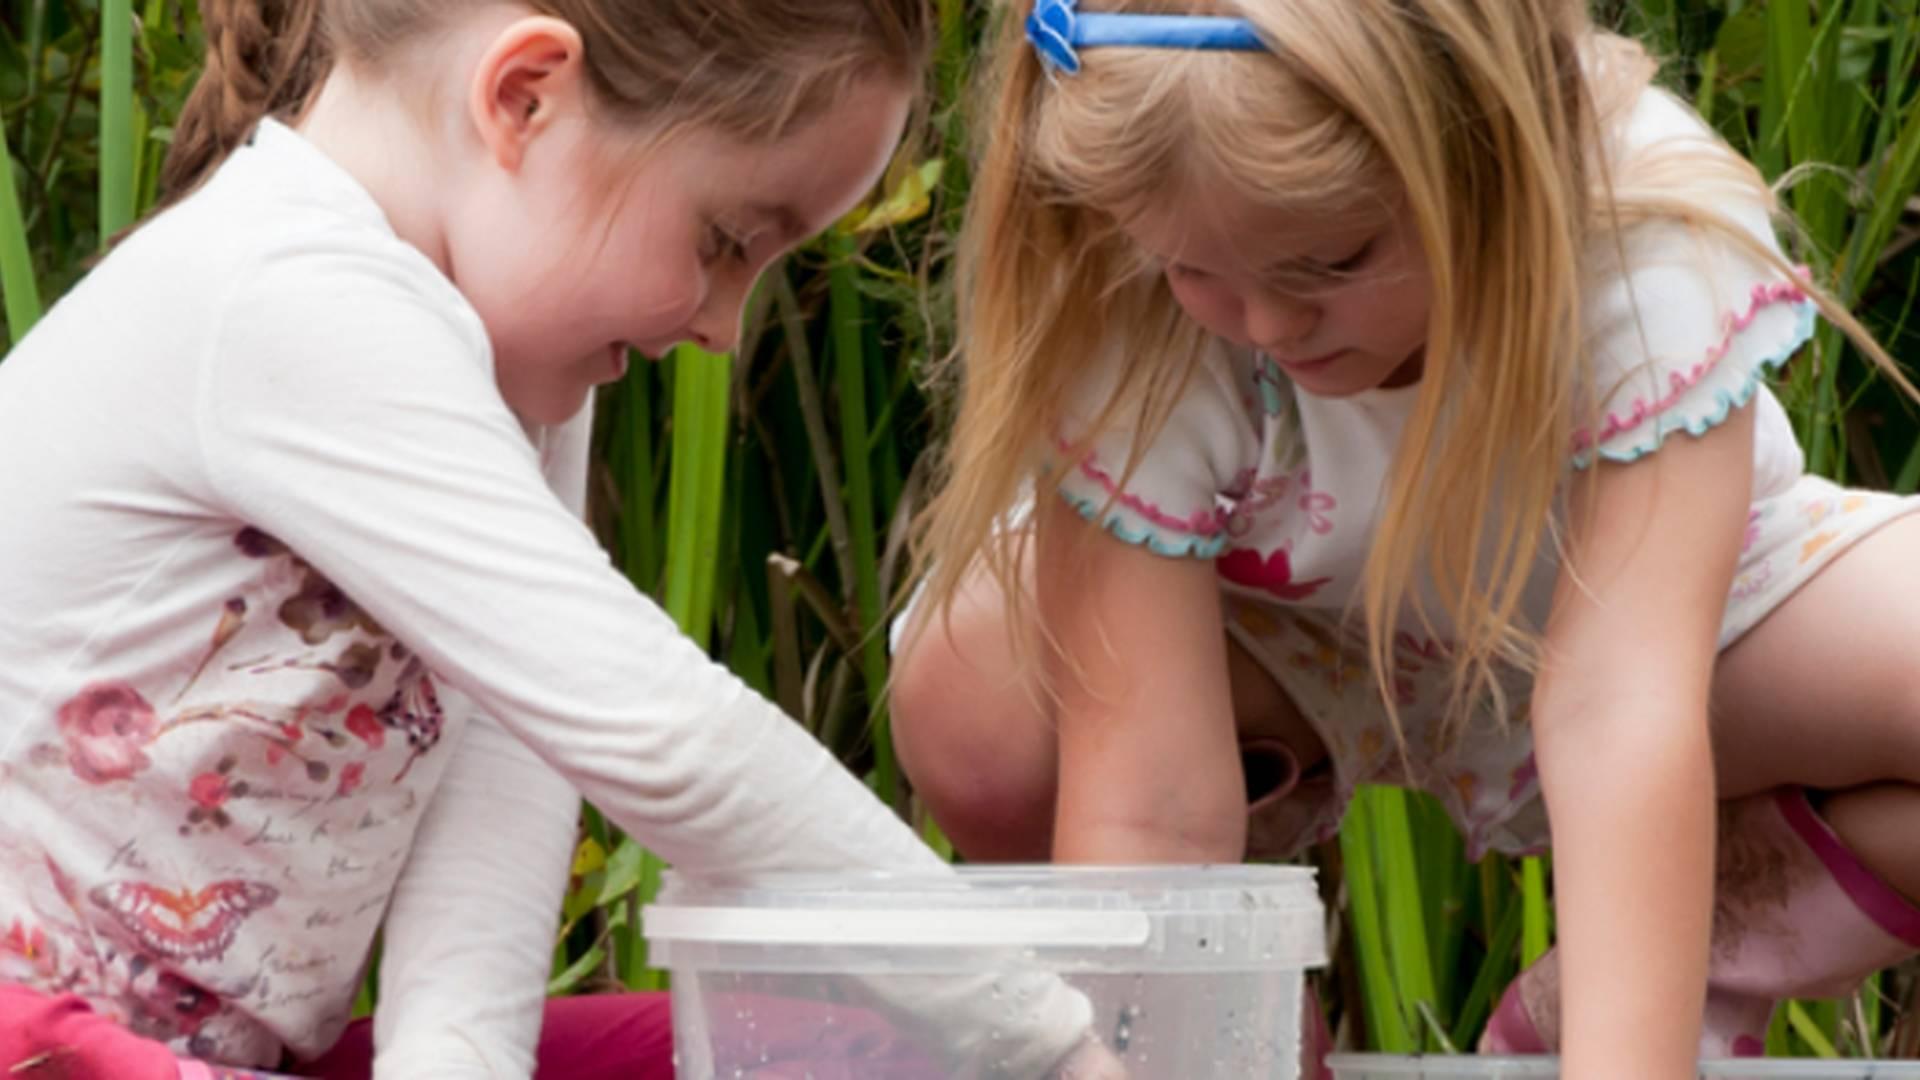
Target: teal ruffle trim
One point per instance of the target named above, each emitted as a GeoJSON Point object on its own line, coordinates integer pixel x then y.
{"type": "Point", "coordinates": [1724, 401]}
{"type": "Point", "coordinates": [1186, 547]}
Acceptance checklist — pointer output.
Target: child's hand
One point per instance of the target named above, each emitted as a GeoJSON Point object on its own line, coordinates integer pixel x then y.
{"type": "Point", "coordinates": [1092, 1061]}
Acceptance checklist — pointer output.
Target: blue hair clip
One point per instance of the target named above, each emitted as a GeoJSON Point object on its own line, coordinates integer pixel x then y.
{"type": "Point", "coordinates": [1057, 31]}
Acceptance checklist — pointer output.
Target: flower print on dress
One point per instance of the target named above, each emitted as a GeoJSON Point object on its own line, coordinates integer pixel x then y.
{"type": "Point", "coordinates": [1272, 574]}
{"type": "Point", "coordinates": [1342, 662]}
{"type": "Point", "coordinates": [1750, 583]}
{"type": "Point", "coordinates": [1815, 544]}
{"type": "Point", "coordinates": [1249, 496]}
{"type": "Point", "coordinates": [1421, 650]}
{"type": "Point", "coordinates": [106, 727]}
{"type": "Point", "coordinates": [1316, 504]}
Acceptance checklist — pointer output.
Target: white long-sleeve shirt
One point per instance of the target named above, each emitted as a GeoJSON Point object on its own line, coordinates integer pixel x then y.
{"type": "Point", "coordinates": [263, 504]}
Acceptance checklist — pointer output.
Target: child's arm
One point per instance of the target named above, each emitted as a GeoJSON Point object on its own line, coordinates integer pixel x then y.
{"type": "Point", "coordinates": [1149, 765]}
{"type": "Point", "coordinates": [1620, 724]}
{"type": "Point", "coordinates": [468, 940]}
{"type": "Point", "coordinates": [366, 433]}
{"type": "Point", "coordinates": [465, 996]}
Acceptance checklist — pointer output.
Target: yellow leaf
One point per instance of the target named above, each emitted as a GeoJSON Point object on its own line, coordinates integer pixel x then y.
{"type": "Point", "coordinates": [590, 857]}
{"type": "Point", "coordinates": [910, 199]}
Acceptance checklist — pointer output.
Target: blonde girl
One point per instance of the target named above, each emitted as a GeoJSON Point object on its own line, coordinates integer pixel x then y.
{"type": "Point", "coordinates": [1389, 378]}
{"type": "Point", "coordinates": [303, 634]}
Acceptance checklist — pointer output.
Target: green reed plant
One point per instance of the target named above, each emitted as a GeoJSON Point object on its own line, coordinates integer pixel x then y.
{"type": "Point", "coordinates": [117, 110]}
{"type": "Point", "coordinates": [21, 291]}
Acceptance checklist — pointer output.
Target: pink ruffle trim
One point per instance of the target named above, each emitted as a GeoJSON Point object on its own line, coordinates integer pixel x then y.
{"type": "Point", "coordinates": [1764, 295]}
{"type": "Point", "coordinates": [1208, 523]}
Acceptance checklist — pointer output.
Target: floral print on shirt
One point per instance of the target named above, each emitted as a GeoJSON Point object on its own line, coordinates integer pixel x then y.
{"type": "Point", "coordinates": [265, 790]}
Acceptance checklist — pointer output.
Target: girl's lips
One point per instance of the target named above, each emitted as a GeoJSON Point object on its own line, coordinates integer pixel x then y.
{"type": "Point", "coordinates": [1310, 364]}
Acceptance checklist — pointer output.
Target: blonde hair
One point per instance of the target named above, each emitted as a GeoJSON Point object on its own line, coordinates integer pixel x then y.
{"type": "Point", "coordinates": [1487, 121]}
{"type": "Point", "coordinates": [750, 68]}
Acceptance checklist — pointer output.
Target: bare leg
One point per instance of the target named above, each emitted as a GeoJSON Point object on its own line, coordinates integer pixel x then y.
{"type": "Point", "coordinates": [1823, 694]}
{"type": "Point", "coordinates": [1878, 822]}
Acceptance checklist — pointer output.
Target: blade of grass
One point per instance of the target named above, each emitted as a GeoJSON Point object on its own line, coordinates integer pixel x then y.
{"type": "Point", "coordinates": [116, 118]}
{"type": "Point", "coordinates": [1407, 947]}
{"type": "Point", "coordinates": [1495, 972]}
{"type": "Point", "coordinates": [696, 490]}
{"type": "Point", "coordinates": [1909, 477]}
{"type": "Point", "coordinates": [846, 315]}
{"type": "Point", "coordinates": [638, 526]}
{"type": "Point", "coordinates": [17, 281]}
{"type": "Point", "coordinates": [695, 495]}
{"type": "Point", "coordinates": [1386, 1025]}
{"type": "Point", "coordinates": [1801, 1019]}
{"type": "Point", "coordinates": [813, 416]}
{"type": "Point", "coordinates": [35, 42]}
{"type": "Point", "coordinates": [1444, 877]}
{"type": "Point", "coordinates": [1535, 935]}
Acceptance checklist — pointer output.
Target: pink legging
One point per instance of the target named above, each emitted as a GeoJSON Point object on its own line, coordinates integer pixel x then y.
{"type": "Point", "coordinates": [630, 1037]}
{"type": "Point", "coordinates": [588, 1038]}
{"type": "Point", "coordinates": [602, 1037]}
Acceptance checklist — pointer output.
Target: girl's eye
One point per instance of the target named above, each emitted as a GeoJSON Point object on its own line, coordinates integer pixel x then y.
{"type": "Point", "coordinates": [1348, 264]}
{"type": "Point", "coordinates": [1354, 261]}
{"type": "Point", "coordinates": [721, 243]}
{"type": "Point", "coordinates": [1312, 275]}
{"type": "Point", "coordinates": [1181, 270]}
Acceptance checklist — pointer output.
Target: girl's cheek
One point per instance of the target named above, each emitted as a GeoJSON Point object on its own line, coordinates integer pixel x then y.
{"type": "Point", "coordinates": [676, 295]}
{"type": "Point", "coordinates": [1190, 300]}
{"type": "Point", "coordinates": [1210, 309]}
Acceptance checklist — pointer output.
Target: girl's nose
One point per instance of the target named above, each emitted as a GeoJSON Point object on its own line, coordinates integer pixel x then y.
{"type": "Point", "coordinates": [716, 326]}
{"type": "Point", "coordinates": [1276, 321]}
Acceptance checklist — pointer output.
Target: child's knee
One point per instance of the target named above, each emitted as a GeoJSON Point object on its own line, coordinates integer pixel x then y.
{"type": "Point", "coordinates": [976, 748]}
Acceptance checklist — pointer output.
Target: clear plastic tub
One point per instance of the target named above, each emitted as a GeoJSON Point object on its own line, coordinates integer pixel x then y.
{"type": "Point", "coordinates": [1189, 972]}
{"type": "Point", "coordinates": [1391, 1067]}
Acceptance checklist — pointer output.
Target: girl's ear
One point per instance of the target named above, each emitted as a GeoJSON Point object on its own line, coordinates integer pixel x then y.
{"type": "Point", "coordinates": [526, 78]}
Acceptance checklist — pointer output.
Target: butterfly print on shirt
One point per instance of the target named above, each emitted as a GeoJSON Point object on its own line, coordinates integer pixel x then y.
{"type": "Point", "coordinates": [184, 925]}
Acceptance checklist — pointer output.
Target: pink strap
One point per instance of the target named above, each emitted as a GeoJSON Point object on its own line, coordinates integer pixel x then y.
{"type": "Point", "coordinates": [1880, 901]}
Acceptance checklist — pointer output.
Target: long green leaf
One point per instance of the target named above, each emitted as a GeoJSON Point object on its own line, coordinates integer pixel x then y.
{"type": "Point", "coordinates": [695, 495]}
{"type": "Point", "coordinates": [1493, 975]}
{"type": "Point", "coordinates": [16, 259]}
{"type": "Point", "coordinates": [696, 489]}
{"type": "Point", "coordinates": [640, 543]}
{"type": "Point", "coordinates": [1535, 937]}
{"type": "Point", "coordinates": [116, 118]}
{"type": "Point", "coordinates": [1400, 891]}
{"type": "Point", "coordinates": [846, 314]}
{"type": "Point", "coordinates": [1387, 1028]}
